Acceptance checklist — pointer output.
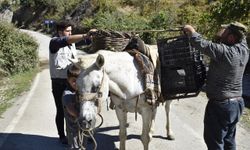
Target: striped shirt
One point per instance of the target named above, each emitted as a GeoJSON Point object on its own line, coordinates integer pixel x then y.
{"type": "Point", "coordinates": [226, 68]}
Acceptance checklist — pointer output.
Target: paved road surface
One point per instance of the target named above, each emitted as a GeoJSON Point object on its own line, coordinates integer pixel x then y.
{"type": "Point", "coordinates": [29, 124]}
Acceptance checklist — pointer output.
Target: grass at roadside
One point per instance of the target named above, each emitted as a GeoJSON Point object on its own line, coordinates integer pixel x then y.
{"type": "Point", "coordinates": [246, 117]}
{"type": "Point", "coordinates": [245, 120]}
{"type": "Point", "coordinates": [11, 87]}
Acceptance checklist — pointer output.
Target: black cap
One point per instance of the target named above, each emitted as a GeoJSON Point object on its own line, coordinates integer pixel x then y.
{"type": "Point", "coordinates": [236, 25]}
{"type": "Point", "coordinates": [237, 28]}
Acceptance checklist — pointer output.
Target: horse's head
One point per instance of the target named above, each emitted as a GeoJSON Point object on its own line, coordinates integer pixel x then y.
{"type": "Point", "coordinates": [92, 88]}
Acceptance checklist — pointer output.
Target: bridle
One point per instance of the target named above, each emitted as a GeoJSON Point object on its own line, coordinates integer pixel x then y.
{"type": "Point", "coordinates": [96, 98]}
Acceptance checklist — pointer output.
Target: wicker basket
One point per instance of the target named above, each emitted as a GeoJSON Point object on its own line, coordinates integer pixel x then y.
{"type": "Point", "coordinates": [110, 40]}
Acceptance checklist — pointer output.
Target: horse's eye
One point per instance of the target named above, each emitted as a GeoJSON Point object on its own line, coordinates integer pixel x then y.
{"type": "Point", "coordinates": [93, 89]}
{"type": "Point", "coordinates": [96, 103]}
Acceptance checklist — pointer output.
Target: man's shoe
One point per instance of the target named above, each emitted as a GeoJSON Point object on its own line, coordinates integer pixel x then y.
{"type": "Point", "coordinates": [64, 140]}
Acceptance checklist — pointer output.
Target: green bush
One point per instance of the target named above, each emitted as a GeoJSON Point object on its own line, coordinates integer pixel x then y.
{"type": "Point", "coordinates": [4, 5]}
{"type": "Point", "coordinates": [18, 51]}
{"type": "Point", "coordinates": [228, 10]}
{"type": "Point", "coordinates": [165, 19]}
{"type": "Point", "coordinates": [116, 21]}
{"type": "Point", "coordinates": [225, 11]}
{"type": "Point", "coordinates": [162, 20]}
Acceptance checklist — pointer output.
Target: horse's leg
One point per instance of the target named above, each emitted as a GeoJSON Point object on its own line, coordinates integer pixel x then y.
{"type": "Point", "coordinates": [153, 123]}
{"type": "Point", "coordinates": [170, 135]}
{"type": "Point", "coordinates": [122, 117]}
{"type": "Point", "coordinates": [147, 116]}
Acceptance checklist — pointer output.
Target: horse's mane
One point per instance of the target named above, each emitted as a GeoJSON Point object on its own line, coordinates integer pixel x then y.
{"type": "Point", "coordinates": [88, 59]}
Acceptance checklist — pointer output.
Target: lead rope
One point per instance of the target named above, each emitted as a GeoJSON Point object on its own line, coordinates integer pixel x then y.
{"type": "Point", "coordinates": [81, 135]}
{"type": "Point", "coordinates": [138, 97]}
{"type": "Point", "coordinates": [80, 139]}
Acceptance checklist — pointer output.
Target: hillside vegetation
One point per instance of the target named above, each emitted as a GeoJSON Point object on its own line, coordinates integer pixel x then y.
{"type": "Point", "coordinates": [18, 62]}
{"type": "Point", "coordinates": [18, 51]}
{"type": "Point", "coordinates": [125, 15]}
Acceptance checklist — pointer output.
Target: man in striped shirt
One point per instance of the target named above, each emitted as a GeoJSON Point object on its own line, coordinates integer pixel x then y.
{"type": "Point", "coordinates": [228, 59]}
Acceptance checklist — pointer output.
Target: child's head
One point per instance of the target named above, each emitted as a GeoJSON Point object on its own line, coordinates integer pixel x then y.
{"type": "Point", "coordinates": [72, 73]}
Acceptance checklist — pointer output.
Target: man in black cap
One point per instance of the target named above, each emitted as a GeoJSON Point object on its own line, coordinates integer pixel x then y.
{"type": "Point", "coordinates": [228, 59]}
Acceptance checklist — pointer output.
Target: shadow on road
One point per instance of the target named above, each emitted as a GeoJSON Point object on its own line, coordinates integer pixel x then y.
{"type": "Point", "coordinates": [19, 141]}
{"type": "Point", "coordinates": [160, 137]}
{"type": "Point", "coordinates": [107, 129]}
{"type": "Point", "coordinates": [107, 142]}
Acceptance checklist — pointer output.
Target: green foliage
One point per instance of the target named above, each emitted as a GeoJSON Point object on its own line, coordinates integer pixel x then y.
{"type": "Point", "coordinates": [205, 25]}
{"type": "Point", "coordinates": [57, 9]}
{"type": "Point", "coordinates": [146, 7]}
{"type": "Point", "coordinates": [64, 7]}
{"type": "Point", "coordinates": [105, 5]}
{"type": "Point", "coordinates": [164, 19]}
{"type": "Point", "coordinates": [246, 118]}
{"type": "Point", "coordinates": [18, 51]}
{"type": "Point", "coordinates": [127, 2]}
{"type": "Point", "coordinates": [38, 3]}
{"type": "Point", "coordinates": [33, 3]}
{"type": "Point", "coordinates": [151, 14]}
{"type": "Point", "coordinates": [223, 12]}
{"type": "Point", "coordinates": [228, 10]}
{"type": "Point", "coordinates": [11, 87]}
{"type": "Point", "coordinates": [116, 21]}
{"type": "Point", "coordinates": [197, 2]}
{"type": "Point", "coordinates": [4, 5]}
{"type": "Point", "coordinates": [161, 20]}
{"type": "Point", "coordinates": [188, 14]}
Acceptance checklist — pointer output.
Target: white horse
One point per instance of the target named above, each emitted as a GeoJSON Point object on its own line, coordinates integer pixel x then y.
{"type": "Point", "coordinates": [116, 73]}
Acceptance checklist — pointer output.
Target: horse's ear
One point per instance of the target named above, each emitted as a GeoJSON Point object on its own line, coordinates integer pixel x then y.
{"type": "Point", "coordinates": [99, 61]}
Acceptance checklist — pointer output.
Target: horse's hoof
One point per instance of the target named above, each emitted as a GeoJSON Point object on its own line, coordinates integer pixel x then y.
{"type": "Point", "coordinates": [170, 137]}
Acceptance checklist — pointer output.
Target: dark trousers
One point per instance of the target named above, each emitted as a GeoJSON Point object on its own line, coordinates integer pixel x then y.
{"type": "Point", "coordinates": [220, 124]}
{"type": "Point", "coordinates": [58, 86]}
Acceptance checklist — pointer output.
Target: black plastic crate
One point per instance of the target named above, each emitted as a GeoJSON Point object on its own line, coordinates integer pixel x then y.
{"type": "Point", "coordinates": [176, 50]}
{"type": "Point", "coordinates": [182, 69]}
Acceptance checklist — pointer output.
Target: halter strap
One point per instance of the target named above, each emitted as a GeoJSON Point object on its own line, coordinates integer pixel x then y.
{"type": "Point", "coordinates": [93, 96]}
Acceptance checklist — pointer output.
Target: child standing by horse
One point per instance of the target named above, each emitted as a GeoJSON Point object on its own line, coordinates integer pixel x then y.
{"type": "Point", "coordinates": [71, 110]}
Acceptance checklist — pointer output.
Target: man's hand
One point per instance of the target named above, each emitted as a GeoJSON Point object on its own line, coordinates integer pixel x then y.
{"type": "Point", "coordinates": [189, 30]}
{"type": "Point", "coordinates": [91, 32]}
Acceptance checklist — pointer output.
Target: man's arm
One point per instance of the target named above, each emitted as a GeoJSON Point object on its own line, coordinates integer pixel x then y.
{"type": "Point", "coordinates": [59, 42]}
{"type": "Point", "coordinates": [213, 50]}
{"type": "Point", "coordinates": [56, 43]}
{"type": "Point", "coordinates": [78, 37]}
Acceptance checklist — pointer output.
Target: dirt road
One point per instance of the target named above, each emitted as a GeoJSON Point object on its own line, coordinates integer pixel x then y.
{"type": "Point", "coordinates": [29, 124]}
